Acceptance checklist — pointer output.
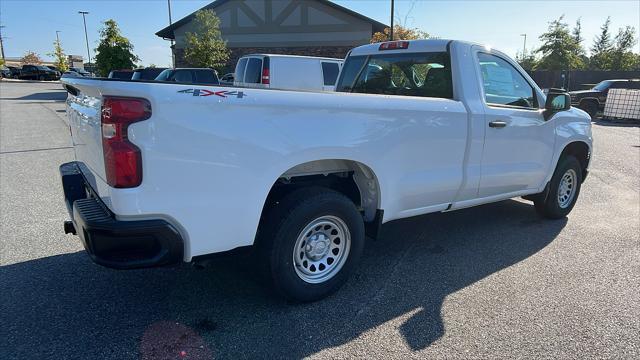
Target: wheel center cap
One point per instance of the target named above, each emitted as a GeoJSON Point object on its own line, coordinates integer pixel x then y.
{"type": "Point", "coordinates": [317, 246]}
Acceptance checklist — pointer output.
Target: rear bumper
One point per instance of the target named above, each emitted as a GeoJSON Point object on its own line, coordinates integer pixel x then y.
{"type": "Point", "coordinates": [115, 243]}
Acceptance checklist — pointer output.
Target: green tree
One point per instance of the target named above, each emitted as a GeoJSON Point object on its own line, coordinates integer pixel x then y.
{"type": "Point", "coordinates": [559, 50]}
{"type": "Point", "coordinates": [31, 58]}
{"type": "Point", "coordinates": [527, 60]}
{"type": "Point", "coordinates": [59, 56]}
{"type": "Point", "coordinates": [601, 48]}
{"type": "Point", "coordinates": [205, 47]}
{"type": "Point", "coordinates": [114, 51]}
{"type": "Point", "coordinates": [622, 55]}
{"type": "Point", "coordinates": [576, 33]}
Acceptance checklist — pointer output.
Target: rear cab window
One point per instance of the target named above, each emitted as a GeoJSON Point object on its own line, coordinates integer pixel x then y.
{"type": "Point", "coordinates": [182, 76]}
{"type": "Point", "coordinates": [206, 77]}
{"type": "Point", "coordinates": [417, 74]}
{"type": "Point", "coordinates": [330, 71]}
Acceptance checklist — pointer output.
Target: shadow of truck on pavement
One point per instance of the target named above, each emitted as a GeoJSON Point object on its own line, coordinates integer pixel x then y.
{"type": "Point", "coordinates": [66, 307]}
{"type": "Point", "coordinates": [42, 96]}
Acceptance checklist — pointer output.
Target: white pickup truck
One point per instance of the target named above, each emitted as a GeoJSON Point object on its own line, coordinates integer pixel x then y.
{"type": "Point", "coordinates": [167, 172]}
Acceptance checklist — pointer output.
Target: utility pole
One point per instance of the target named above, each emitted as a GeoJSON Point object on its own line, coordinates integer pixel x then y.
{"type": "Point", "coordinates": [86, 37]}
{"type": "Point", "coordinates": [391, 31]}
{"type": "Point", "coordinates": [524, 47]}
{"type": "Point", "coordinates": [173, 55]}
{"type": "Point", "coordinates": [1, 44]}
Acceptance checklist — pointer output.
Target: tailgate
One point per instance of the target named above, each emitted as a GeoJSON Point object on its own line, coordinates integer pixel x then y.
{"type": "Point", "coordinates": [83, 110]}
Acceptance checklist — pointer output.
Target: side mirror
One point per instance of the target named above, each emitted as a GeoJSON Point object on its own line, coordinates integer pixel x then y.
{"type": "Point", "coordinates": [557, 100]}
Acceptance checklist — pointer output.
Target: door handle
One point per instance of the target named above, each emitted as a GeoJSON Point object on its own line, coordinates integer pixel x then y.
{"type": "Point", "coordinates": [497, 124]}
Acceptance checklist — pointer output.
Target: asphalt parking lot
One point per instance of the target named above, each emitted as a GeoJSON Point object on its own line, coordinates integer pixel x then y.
{"type": "Point", "coordinates": [494, 281]}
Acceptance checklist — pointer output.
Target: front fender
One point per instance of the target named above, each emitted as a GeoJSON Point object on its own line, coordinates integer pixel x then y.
{"type": "Point", "coordinates": [573, 125]}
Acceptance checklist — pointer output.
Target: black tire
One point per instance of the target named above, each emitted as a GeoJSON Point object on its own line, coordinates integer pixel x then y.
{"type": "Point", "coordinates": [283, 224]}
{"type": "Point", "coordinates": [41, 78]}
{"type": "Point", "coordinates": [591, 108]}
{"type": "Point", "coordinates": [550, 206]}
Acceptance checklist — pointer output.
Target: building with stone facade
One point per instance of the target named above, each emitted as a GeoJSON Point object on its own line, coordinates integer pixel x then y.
{"type": "Point", "coordinates": [297, 27]}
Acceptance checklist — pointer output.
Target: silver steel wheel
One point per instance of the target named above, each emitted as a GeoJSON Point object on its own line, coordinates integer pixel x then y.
{"type": "Point", "coordinates": [567, 188]}
{"type": "Point", "coordinates": [321, 249]}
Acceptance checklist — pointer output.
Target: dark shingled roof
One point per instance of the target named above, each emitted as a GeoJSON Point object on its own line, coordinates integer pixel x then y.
{"type": "Point", "coordinates": [167, 33]}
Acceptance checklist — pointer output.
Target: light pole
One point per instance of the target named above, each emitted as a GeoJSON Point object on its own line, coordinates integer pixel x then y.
{"type": "Point", "coordinates": [86, 37]}
{"type": "Point", "coordinates": [173, 55]}
{"type": "Point", "coordinates": [391, 31]}
{"type": "Point", "coordinates": [524, 47]}
{"type": "Point", "coordinates": [58, 36]}
{"type": "Point", "coordinates": [1, 44]}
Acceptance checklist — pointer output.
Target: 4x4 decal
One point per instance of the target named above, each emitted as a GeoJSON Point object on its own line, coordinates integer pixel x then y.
{"type": "Point", "coordinates": [221, 93]}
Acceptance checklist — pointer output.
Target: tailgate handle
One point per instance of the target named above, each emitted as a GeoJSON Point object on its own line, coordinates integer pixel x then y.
{"type": "Point", "coordinates": [71, 90]}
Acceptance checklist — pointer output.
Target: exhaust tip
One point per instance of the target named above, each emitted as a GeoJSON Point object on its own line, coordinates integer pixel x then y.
{"type": "Point", "coordinates": [69, 228]}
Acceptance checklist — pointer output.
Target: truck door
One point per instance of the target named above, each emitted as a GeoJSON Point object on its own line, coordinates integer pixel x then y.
{"type": "Point", "coordinates": [518, 142]}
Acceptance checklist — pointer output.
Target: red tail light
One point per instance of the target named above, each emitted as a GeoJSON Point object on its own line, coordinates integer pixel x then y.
{"type": "Point", "coordinates": [122, 159]}
{"type": "Point", "coordinates": [394, 45]}
{"type": "Point", "coordinates": [265, 75]}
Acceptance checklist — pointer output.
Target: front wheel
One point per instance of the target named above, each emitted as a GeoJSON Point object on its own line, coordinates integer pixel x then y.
{"type": "Point", "coordinates": [591, 108]}
{"type": "Point", "coordinates": [310, 242]}
{"type": "Point", "coordinates": [564, 189]}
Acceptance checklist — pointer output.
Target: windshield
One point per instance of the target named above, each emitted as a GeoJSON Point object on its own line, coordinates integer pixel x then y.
{"type": "Point", "coordinates": [602, 86]}
{"type": "Point", "coordinates": [42, 68]}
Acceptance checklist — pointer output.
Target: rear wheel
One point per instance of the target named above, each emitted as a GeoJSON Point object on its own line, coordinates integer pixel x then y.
{"type": "Point", "coordinates": [310, 242]}
{"type": "Point", "coordinates": [41, 78]}
{"type": "Point", "coordinates": [564, 189]}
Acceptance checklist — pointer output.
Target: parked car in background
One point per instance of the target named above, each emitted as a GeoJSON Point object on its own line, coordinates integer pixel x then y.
{"type": "Point", "coordinates": [81, 72]}
{"type": "Point", "coordinates": [38, 72]}
{"type": "Point", "coordinates": [190, 76]}
{"type": "Point", "coordinates": [70, 74]}
{"type": "Point", "coordinates": [287, 72]}
{"type": "Point", "coordinates": [150, 73]}
{"type": "Point", "coordinates": [227, 79]}
{"type": "Point", "coordinates": [58, 72]}
{"type": "Point", "coordinates": [120, 74]}
{"type": "Point", "coordinates": [15, 72]}
{"type": "Point", "coordinates": [592, 101]}
{"type": "Point", "coordinates": [5, 72]}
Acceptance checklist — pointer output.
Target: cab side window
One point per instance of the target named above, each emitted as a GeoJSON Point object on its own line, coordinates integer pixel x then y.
{"type": "Point", "coordinates": [504, 85]}
{"type": "Point", "coordinates": [626, 85]}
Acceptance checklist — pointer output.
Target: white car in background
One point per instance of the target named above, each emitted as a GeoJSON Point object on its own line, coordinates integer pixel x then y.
{"type": "Point", "coordinates": [288, 72]}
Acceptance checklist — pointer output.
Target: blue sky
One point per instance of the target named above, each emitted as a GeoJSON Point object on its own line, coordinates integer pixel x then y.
{"type": "Point", "coordinates": [32, 25]}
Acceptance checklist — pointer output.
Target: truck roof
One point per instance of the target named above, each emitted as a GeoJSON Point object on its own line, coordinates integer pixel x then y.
{"type": "Point", "coordinates": [429, 45]}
